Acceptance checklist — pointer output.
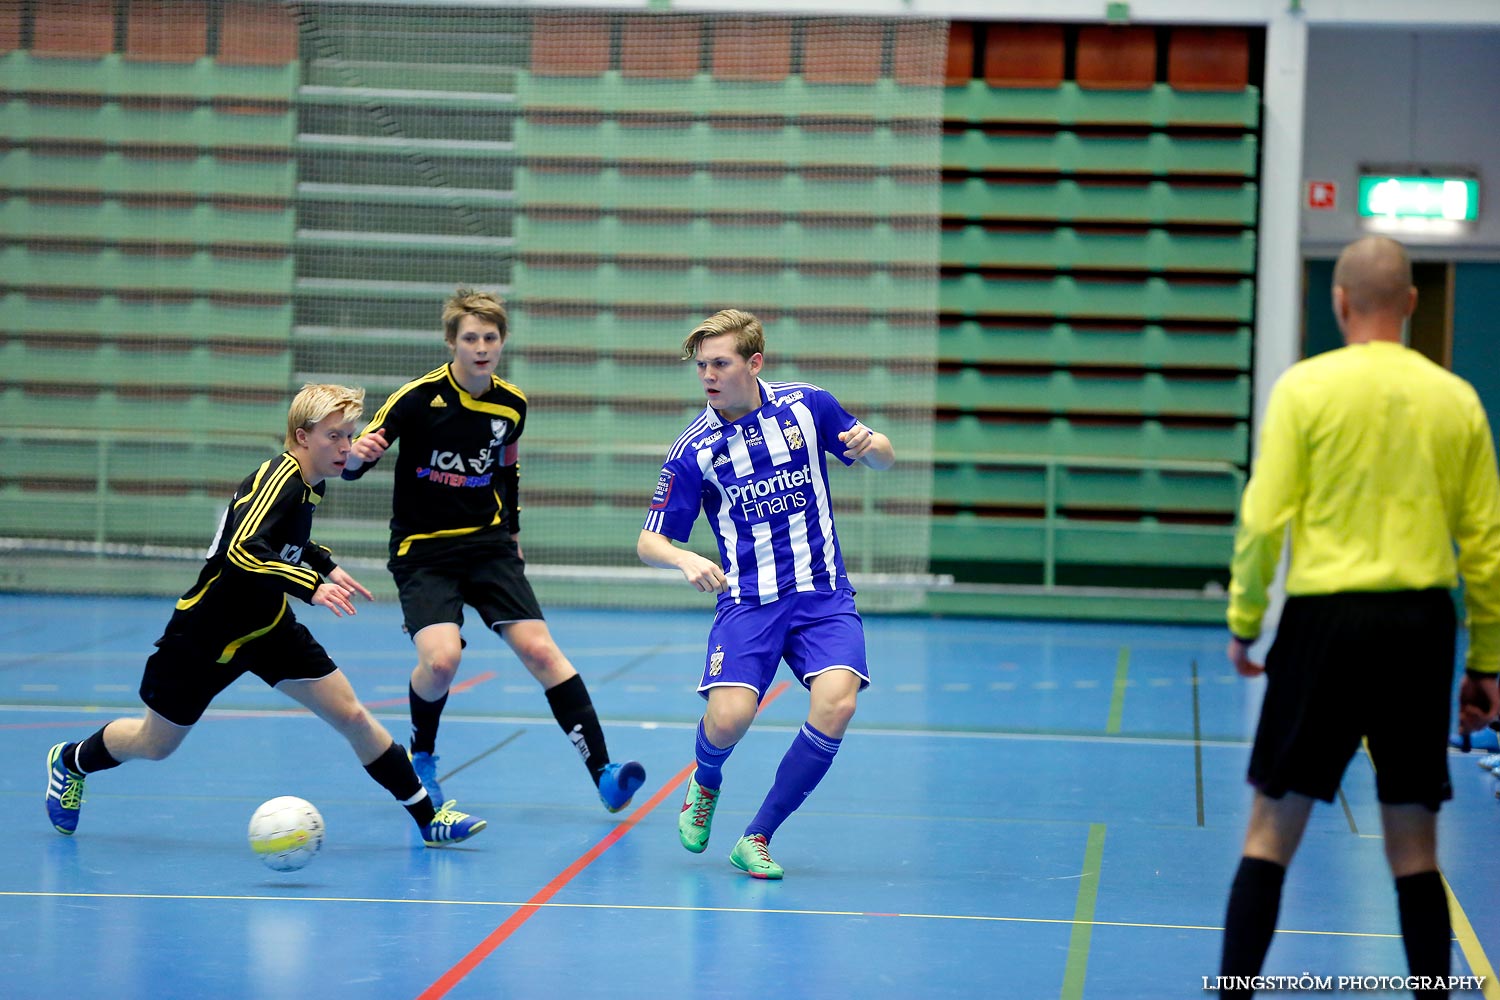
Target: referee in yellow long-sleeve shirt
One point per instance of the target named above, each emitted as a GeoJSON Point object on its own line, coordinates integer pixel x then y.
{"type": "Point", "coordinates": [1381, 463]}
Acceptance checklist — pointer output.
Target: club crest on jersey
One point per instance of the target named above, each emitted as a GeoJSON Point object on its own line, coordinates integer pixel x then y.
{"type": "Point", "coordinates": [716, 662]}
{"type": "Point", "coordinates": [498, 429]}
{"type": "Point", "coordinates": [663, 490]}
{"type": "Point", "coordinates": [794, 437]}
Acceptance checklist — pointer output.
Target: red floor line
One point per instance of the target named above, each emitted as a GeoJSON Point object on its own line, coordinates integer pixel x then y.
{"type": "Point", "coordinates": [497, 937]}
{"type": "Point", "coordinates": [488, 675]}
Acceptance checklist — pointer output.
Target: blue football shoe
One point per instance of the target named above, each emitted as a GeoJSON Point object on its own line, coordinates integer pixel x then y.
{"type": "Point", "coordinates": [619, 783]}
{"type": "Point", "coordinates": [64, 792]}
{"type": "Point", "coordinates": [450, 826]}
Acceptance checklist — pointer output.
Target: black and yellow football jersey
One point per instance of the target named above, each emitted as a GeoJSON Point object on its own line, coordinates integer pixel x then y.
{"type": "Point", "coordinates": [262, 552]}
{"type": "Point", "coordinates": [453, 474]}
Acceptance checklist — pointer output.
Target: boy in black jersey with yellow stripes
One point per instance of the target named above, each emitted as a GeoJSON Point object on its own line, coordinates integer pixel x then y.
{"type": "Point", "coordinates": [236, 619]}
{"type": "Point", "coordinates": [454, 522]}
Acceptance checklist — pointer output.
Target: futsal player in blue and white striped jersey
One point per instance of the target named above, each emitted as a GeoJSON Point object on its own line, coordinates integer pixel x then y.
{"type": "Point", "coordinates": [755, 463]}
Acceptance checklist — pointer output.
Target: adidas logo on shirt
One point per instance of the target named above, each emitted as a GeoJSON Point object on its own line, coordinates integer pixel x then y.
{"type": "Point", "coordinates": [437, 401]}
{"type": "Point", "coordinates": [721, 460]}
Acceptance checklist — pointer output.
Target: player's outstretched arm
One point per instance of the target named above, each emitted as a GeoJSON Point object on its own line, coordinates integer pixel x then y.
{"type": "Point", "coordinates": [656, 549]}
{"type": "Point", "coordinates": [870, 447]}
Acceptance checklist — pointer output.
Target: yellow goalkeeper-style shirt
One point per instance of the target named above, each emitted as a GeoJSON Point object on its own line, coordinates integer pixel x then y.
{"type": "Point", "coordinates": [1381, 462]}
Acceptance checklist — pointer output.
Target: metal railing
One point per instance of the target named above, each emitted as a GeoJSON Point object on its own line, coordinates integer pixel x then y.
{"type": "Point", "coordinates": [105, 439]}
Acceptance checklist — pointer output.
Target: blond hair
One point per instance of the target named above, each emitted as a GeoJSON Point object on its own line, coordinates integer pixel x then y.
{"type": "Point", "coordinates": [749, 338]}
{"type": "Point", "coordinates": [472, 302]}
{"type": "Point", "coordinates": [316, 401]}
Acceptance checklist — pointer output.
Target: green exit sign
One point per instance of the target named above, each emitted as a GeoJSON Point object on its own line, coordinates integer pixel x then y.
{"type": "Point", "coordinates": [1455, 199]}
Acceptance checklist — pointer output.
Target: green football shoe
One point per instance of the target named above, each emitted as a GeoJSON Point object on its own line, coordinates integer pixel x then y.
{"type": "Point", "coordinates": [696, 820]}
{"type": "Point", "coordinates": [752, 855]}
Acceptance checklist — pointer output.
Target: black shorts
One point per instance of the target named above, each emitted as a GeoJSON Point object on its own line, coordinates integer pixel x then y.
{"type": "Point", "coordinates": [487, 575]}
{"type": "Point", "coordinates": [183, 676]}
{"type": "Point", "coordinates": [1346, 666]}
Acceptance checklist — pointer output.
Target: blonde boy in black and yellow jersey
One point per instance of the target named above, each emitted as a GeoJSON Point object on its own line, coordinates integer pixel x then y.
{"type": "Point", "coordinates": [454, 526]}
{"type": "Point", "coordinates": [236, 619]}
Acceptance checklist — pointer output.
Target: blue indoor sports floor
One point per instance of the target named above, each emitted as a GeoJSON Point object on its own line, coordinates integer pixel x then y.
{"type": "Point", "coordinates": [1020, 810]}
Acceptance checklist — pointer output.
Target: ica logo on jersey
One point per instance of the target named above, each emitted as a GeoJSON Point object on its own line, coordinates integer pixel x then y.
{"type": "Point", "coordinates": [453, 462]}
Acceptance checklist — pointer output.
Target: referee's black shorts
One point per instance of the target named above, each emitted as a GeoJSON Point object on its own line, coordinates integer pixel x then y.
{"type": "Point", "coordinates": [1345, 666]}
{"type": "Point", "coordinates": [438, 578]}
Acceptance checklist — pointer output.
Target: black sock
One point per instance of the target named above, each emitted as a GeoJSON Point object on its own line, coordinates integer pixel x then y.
{"type": "Point", "coordinates": [424, 720]}
{"type": "Point", "coordinates": [574, 711]}
{"type": "Point", "coordinates": [1249, 923]}
{"type": "Point", "coordinates": [1425, 926]}
{"type": "Point", "coordinates": [89, 756]}
{"type": "Point", "coordinates": [392, 770]}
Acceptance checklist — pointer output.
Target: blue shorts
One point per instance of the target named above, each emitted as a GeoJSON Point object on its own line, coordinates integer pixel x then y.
{"type": "Point", "coordinates": [814, 631]}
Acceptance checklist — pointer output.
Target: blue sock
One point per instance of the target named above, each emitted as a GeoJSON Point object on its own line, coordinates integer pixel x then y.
{"type": "Point", "coordinates": [805, 763]}
{"type": "Point", "coordinates": [710, 761]}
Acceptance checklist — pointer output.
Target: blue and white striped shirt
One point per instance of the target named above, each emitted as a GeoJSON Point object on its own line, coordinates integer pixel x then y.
{"type": "Point", "coordinates": [762, 481]}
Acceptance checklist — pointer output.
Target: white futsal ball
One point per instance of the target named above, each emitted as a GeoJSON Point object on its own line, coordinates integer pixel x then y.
{"type": "Point", "coordinates": [286, 833]}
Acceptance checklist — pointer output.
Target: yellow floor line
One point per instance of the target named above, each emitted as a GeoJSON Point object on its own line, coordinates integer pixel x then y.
{"type": "Point", "coordinates": [1468, 941]}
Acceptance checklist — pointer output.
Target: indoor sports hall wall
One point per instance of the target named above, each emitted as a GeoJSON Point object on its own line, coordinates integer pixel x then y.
{"type": "Point", "coordinates": [147, 274]}
{"type": "Point", "coordinates": [220, 201]}
{"type": "Point", "coordinates": [1099, 251]}
{"type": "Point", "coordinates": [1025, 251]}
{"type": "Point", "coordinates": [621, 177]}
